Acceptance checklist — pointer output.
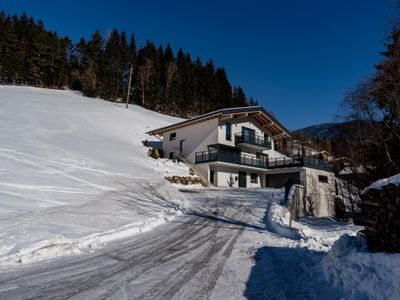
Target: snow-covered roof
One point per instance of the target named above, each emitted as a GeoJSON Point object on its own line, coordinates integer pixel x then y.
{"type": "Point", "coordinates": [258, 112]}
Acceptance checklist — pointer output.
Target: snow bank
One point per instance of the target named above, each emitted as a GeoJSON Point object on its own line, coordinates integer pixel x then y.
{"type": "Point", "coordinates": [278, 218]}
{"type": "Point", "coordinates": [318, 234]}
{"type": "Point", "coordinates": [58, 245]}
{"type": "Point", "coordinates": [362, 274]}
{"type": "Point", "coordinates": [377, 185]}
{"type": "Point", "coordinates": [74, 173]}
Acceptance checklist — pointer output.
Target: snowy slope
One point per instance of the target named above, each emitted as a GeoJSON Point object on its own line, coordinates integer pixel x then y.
{"type": "Point", "coordinates": [74, 173]}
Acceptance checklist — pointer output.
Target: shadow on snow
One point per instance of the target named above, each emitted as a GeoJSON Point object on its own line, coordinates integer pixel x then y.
{"type": "Point", "coordinates": [288, 273]}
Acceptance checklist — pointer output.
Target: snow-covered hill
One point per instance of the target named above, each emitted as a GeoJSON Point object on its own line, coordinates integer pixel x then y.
{"type": "Point", "coordinates": [74, 173]}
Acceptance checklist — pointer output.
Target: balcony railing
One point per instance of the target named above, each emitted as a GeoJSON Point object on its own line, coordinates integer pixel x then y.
{"type": "Point", "coordinates": [316, 163]}
{"type": "Point", "coordinates": [251, 161]}
{"type": "Point", "coordinates": [252, 139]}
{"type": "Point", "coordinates": [284, 162]}
{"type": "Point", "coordinates": [230, 157]}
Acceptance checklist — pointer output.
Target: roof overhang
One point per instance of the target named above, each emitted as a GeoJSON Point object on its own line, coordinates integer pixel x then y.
{"type": "Point", "coordinates": [265, 118]}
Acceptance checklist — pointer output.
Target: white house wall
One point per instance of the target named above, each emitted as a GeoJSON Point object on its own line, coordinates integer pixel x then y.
{"type": "Point", "coordinates": [197, 138]}
{"type": "Point", "coordinates": [237, 125]}
{"type": "Point", "coordinates": [224, 173]}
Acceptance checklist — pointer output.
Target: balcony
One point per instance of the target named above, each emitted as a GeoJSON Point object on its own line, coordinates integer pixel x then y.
{"type": "Point", "coordinates": [237, 158]}
{"type": "Point", "coordinates": [230, 157]}
{"type": "Point", "coordinates": [252, 140]}
{"type": "Point", "coordinates": [300, 161]}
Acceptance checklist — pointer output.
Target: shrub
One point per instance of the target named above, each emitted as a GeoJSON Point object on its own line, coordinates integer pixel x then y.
{"type": "Point", "coordinates": [153, 153]}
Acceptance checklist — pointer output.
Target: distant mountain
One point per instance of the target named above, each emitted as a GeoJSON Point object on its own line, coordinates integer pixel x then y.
{"type": "Point", "coordinates": [328, 131]}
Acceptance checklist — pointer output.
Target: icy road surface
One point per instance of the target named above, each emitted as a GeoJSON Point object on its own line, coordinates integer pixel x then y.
{"type": "Point", "coordinates": [220, 248]}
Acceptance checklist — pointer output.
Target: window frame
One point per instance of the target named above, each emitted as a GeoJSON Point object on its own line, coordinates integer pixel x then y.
{"type": "Point", "coordinates": [323, 179]}
{"type": "Point", "coordinates": [248, 131]}
{"type": "Point", "coordinates": [228, 133]}
{"type": "Point", "coordinates": [172, 136]}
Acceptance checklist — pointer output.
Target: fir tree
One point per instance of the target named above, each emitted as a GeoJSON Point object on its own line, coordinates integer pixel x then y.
{"type": "Point", "coordinates": [100, 67]}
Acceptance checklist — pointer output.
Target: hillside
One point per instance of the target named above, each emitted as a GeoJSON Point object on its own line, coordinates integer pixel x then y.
{"type": "Point", "coordinates": [329, 131]}
{"type": "Point", "coordinates": [74, 173]}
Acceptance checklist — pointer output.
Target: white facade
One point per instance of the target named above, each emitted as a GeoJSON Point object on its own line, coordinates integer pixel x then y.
{"type": "Point", "coordinates": [195, 138]}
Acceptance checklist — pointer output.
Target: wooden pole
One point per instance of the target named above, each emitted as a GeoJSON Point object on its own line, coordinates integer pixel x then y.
{"type": "Point", "coordinates": [129, 86]}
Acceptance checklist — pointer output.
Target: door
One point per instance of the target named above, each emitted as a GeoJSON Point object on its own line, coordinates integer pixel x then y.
{"type": "Point", "coordinates": [242, 179]}
{"type": "Point", "coordinates": [212, 177]}
{"type": "Point", "coordinates": [181, 148]}
{"type": "Point", "coordinates": [262, 159]}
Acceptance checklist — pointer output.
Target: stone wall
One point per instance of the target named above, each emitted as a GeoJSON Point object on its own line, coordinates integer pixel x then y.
{"type": "Point", "coordinates": [380, 216]}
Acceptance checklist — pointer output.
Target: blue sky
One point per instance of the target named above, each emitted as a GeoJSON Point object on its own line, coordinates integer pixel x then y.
{"type": "Point", "coordinates": [298, 58]}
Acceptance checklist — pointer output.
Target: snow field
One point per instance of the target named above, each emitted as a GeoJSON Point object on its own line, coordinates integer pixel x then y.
{"type": "Point", "coordinates": [364, 275]}
{"type": "Point", "coordinates": [75, 175]}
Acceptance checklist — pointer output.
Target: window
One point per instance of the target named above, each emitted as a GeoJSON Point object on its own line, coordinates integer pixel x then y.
{"type": "Point", "coordinates": [262, 156]}
{"type": "Point", "coordinates": [172, 136]}
{"type": "Point", "coordinates": [171, 155]}
{"type": "Point", "coordinates": [253, 178]}
{"type": "Point", "coordinates": [248, 132]}
{"type": "Point", "coordinates": [228, 131]}
{"type": "Point", "coordinates": [262, 159]}
{"type": "Point", "coordinates": [323, 179]}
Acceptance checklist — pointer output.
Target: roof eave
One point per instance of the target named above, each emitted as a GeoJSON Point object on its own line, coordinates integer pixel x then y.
{"type": "Point", "coordinates": [282, 131]}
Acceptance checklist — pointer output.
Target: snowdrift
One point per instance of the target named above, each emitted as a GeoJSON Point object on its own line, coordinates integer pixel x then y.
{"type": "Point", "coordinates": [364, 275]}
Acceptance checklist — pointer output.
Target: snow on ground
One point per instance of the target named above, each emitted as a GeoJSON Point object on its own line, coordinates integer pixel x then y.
{"type": "Point", "coordinates": [364, 275]}
{"type": "Point", "coordinates": [286, 261]}
{"type": "Point", "coordinates": [74, 173]}
{"type": "Point", "coordinates": [317, 234]}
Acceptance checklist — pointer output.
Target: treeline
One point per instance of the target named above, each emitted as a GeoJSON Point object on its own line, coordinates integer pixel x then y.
{"type": "Point", "coordinates": [373, 107]}
{"type": "Point", "coordinates": [171, 83]}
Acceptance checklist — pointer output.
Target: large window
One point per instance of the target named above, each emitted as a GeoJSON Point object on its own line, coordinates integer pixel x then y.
{"type": "Point", "coordinates": [172, 136]}
{"type": "Point", "coordinates": [248, 132]}
{"type": "Point", "coordinates": [228, 131]}
{"type": "Point", "coordinates": [253, 178]}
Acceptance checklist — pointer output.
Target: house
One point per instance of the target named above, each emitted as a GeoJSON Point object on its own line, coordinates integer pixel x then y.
{"type": "Point", "coordinates": [236, 147]}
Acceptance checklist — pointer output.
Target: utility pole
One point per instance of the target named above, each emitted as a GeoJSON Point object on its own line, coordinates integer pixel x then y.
{"type": "Point", "coordinates": [129, 86]}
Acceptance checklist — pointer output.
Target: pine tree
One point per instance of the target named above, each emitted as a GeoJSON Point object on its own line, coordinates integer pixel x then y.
{"type": "Point", "coordinates": [131, 63]}
{"type": "Point", "coordinates": [32, 55]}
{"type": "Point", "coordinates": [91, 59]}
